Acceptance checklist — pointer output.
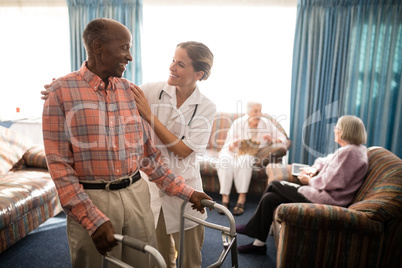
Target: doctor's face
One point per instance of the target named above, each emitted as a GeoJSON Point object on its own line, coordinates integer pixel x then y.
{"type": "Point", "coordinates": [182, 73]}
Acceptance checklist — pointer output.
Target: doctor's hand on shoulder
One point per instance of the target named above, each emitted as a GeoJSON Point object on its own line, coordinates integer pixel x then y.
{"type": "Point", "coordinates": [142, 103]}
{"type": "Point", "coordinates": [45, 93]}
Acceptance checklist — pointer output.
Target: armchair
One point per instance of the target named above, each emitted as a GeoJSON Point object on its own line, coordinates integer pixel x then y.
{"type": "Point", "coordinates": [365, 234]}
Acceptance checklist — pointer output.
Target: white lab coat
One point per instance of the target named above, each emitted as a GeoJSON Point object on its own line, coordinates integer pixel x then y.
{"type": "Point", "coordinates": [162, 101]}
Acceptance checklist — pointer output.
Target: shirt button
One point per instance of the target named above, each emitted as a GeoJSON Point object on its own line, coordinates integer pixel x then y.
{"type": "Point", "coordinates": [117, 171]}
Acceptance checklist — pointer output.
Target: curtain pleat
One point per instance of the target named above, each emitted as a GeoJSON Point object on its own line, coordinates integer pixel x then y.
{"type": "Point", "coordinates": [346, 60]}
{"type": "Point", "coordinates": [128, 12]}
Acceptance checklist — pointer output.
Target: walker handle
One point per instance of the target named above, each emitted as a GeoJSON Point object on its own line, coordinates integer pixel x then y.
{"type": "Point", "coordinates": [131, 242]}
{"type": "Point", "coordinates": [208, 203]}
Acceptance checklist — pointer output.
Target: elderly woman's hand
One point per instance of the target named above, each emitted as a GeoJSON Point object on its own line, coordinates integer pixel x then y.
{"type": "Point", "coordinates": [311, 171]}
{"type": "Point", "coordinates": [306, 174]}
{"type": "Point", "coordinates": [304, 179]}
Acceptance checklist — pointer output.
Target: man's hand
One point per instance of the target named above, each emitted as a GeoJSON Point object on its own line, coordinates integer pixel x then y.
{"type": "Point", "coordinates": [267, 138]}
{"type": "Point", "coordinates": [233, 146]}
{"type": "Point", "coordinates": [103, 238]}
{"type": "Point", "coordinates": [196, 198]}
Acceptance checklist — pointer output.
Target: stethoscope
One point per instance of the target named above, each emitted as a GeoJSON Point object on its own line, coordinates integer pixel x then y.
{"type": "Point", "coordinates": [191, 119]}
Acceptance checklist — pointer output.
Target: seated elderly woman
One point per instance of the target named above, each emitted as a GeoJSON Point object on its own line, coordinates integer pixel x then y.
{"type": "Point", "coordinates": [332, 180]}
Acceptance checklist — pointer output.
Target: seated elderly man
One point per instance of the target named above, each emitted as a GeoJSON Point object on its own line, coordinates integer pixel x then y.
{"type": "Point", "coordinates": [246, 134]}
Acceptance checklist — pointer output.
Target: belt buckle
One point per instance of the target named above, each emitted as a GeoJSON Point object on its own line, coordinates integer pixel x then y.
{"type": "Point", "coordinates": [124, 183]}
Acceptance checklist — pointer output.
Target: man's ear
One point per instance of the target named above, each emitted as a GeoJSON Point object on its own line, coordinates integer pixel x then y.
{"type": "Point", "coordinates": [97, 46]}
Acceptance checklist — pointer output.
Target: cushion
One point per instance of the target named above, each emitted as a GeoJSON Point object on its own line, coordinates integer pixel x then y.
{"type": "Point", "coordinates": [13, 146]}
{"type": "Point", "coordinates": [36, 157]}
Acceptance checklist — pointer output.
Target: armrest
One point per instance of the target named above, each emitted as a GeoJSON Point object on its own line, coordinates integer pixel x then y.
{"type": "Point", "coordinates": [280, 172]}
{"type": "Point", "coordinates": [35, 157]}
{"type": "Point", "coordinates": [333, 218]}
{"type": "Point", "coordinates": [271, 153]}
{"type": "Point", "coordinates": [288, 143]}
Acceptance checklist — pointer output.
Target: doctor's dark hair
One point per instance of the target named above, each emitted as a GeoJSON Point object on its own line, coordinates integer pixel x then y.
{"type": "Point", "coordinates": [201, 57]}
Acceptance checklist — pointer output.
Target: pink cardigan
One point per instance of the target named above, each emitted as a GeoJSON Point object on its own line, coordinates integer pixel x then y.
{"type": "Point", "coordinates": [340, 176]}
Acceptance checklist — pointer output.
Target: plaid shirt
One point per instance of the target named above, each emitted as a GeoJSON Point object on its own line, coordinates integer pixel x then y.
{"type": "Point", "coordinates": [96, 134]}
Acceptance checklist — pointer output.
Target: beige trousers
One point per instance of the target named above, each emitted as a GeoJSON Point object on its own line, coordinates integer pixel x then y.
{"type": "Point", "coordinates": [130, 214]}
{"type": "Point", "coordinates": [168, 244]}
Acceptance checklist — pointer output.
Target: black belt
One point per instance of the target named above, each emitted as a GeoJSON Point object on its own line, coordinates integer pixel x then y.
{"type": "Point", "coordinates": [121, 184]}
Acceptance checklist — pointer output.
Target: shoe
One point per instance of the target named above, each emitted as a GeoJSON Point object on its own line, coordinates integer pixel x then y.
{"type": "Point", "coordinates": [238, 209]}
{"type": "Point", "coordinates": [226, 205]}
{"type": "Point", "coordinates": [251, 249]}
{"type": "Point", "coordinates": [241, 229]}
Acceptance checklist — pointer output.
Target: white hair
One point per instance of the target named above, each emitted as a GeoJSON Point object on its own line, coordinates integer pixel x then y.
{"type": "Point", "coordinates": [251, 104]}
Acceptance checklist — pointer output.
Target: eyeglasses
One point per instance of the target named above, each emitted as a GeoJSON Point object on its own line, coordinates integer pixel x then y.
{"type": "Point", "coordinates": [337, 128]}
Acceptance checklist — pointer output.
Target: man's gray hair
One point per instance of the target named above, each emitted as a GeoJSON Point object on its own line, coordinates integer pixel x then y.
{"type": "Point", "coordinates": [251, 104]}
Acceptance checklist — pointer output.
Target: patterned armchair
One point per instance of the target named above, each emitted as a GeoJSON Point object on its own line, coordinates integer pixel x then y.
{"type": "Point", "coordinates": [368, 233]}
{"type": "Point", "coordinates": [209, 161]}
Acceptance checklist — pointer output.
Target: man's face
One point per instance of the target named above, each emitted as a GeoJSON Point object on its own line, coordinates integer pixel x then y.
{"type": "Point", "coordinates": [255, 112]}
{"type": "Point", "coordinates": [254, 116]}
{"type": "Point", "coordinates": [115, 53]}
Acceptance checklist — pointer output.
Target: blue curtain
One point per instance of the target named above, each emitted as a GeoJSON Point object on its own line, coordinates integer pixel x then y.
{"type": "Point", "coordinates": [347, 59]}
{"type": "Point", "coordinates": [128, 12]}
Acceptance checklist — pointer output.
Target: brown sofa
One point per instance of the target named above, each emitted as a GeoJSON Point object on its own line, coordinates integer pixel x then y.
{"type": "Point", "coordinates": [28, 196]}
{"type": "Point", "coordinates": [209, 161]}
{"type": "Point", "coordinates": [368, 233]}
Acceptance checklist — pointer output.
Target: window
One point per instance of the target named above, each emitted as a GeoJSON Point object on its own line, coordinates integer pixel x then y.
{"type": "Point", "coordinates": [35, 48]}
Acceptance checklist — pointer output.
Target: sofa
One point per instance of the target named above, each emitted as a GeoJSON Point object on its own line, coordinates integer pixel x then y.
{"type": "Point", "coordinates": [28, 196]}
{"type": "Point", "coordinates": [367, 233]}
{"type": "Point", "coordinates": [209, 161]}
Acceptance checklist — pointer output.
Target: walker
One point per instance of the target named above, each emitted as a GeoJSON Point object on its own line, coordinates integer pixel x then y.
{"type": "Point", "coordinates": [137, 245]}
{"type": "Point", "coordinates": [229, 239]}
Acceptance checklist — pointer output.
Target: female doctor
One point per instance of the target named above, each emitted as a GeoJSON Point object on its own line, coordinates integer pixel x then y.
{"type": "Point", "coordinates": [181, 117]}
